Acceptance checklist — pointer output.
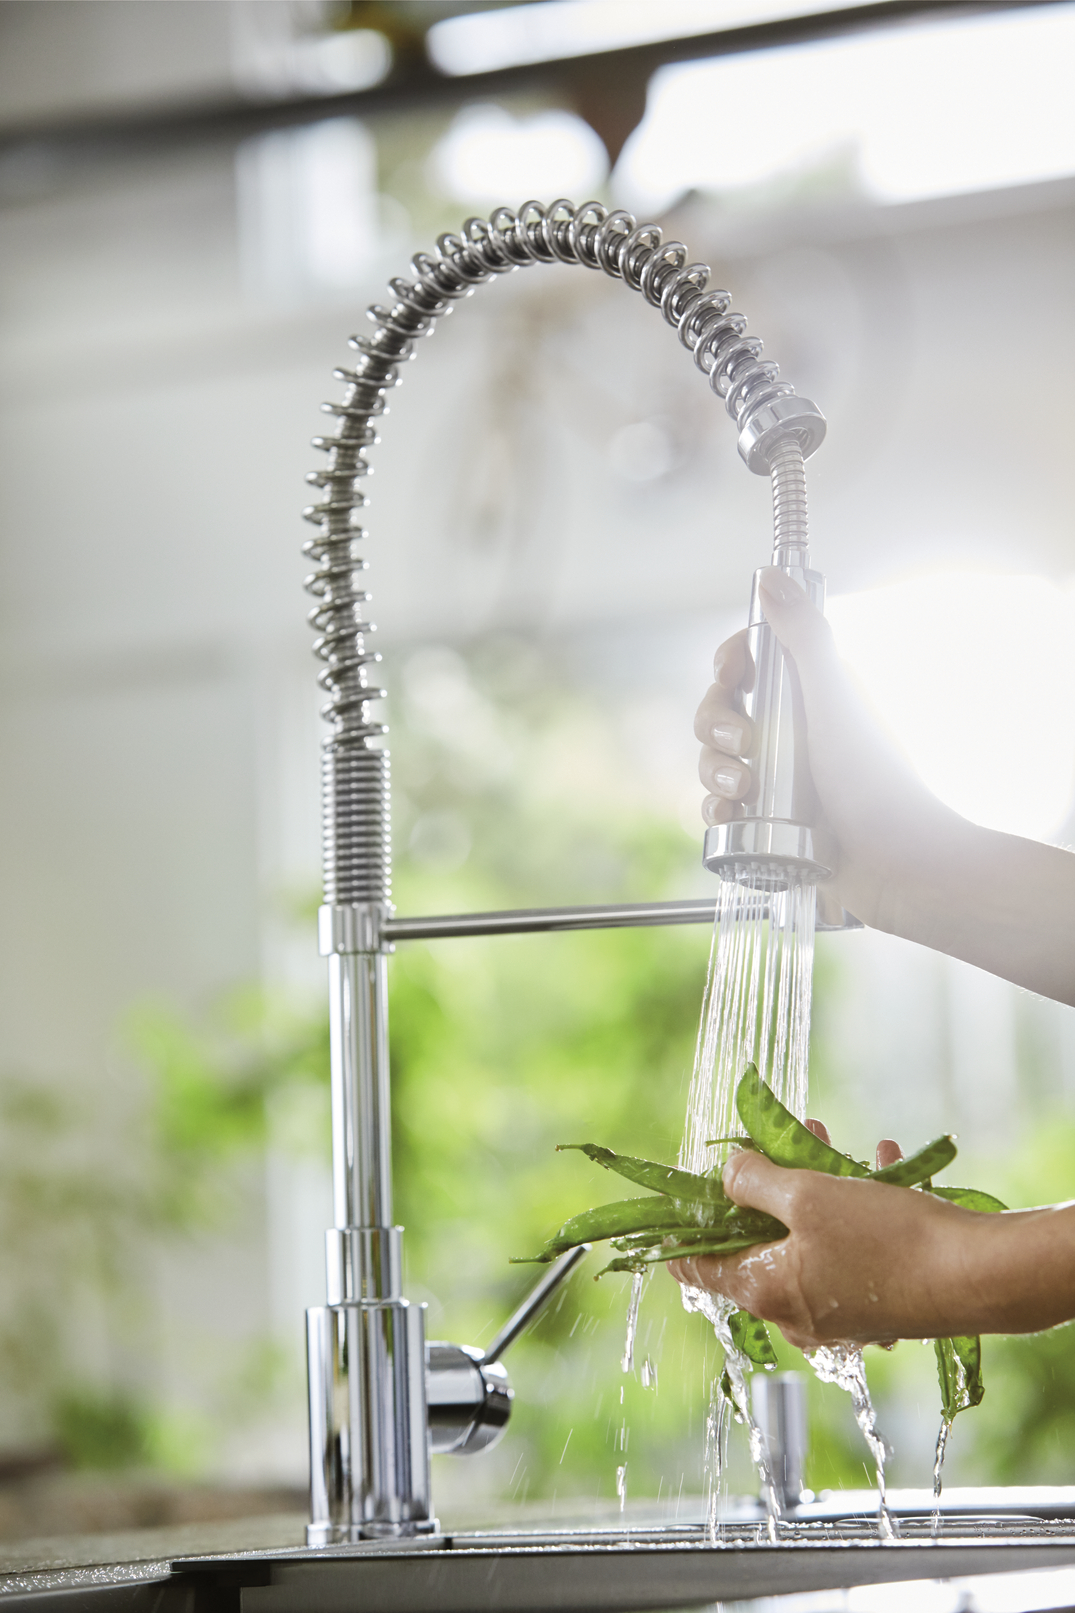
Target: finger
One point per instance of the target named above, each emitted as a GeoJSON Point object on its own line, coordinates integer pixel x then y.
{"type": "Point", "coordinates": [888, 1152]}
{"type": "Point", "coordinates": [795, 619]}
{"type": "Point", "coordinates": [718, 724]}
{"type": "Point", "coordinates": [714, 1274]}
{"type": "Point", "coordinates": [756, 1183]}
{"type": "Point", "coordinates": [819, 1129]}
{"type": "Point", "coordinates": [733, 664]}
{"type": "Point", "coordinates": [723, 775]}
{"type": "Point", "coordinates": [842, 732]}
{"type": "Point", "coordinates": [718, 809]}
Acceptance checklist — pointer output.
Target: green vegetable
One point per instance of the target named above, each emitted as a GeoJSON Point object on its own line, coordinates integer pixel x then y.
{"type": "Point", "coordinates": [671, 1250]}
{"type": "Point", "coordinates": [751, 1336]}
{"type": "Point", "coordinates": [918, 1167]}
{"type": "Point", "coordinates": [661, 1178]}
{"type": "Point", "coordinates": [691, 1215]}
{"type": "Point", "coordinates": [608, 1221]}
{"type": "Point", "coordinates": [959, 1370]}
{"type": "Point", "coordinates": [959, 1359]}
{"type": "Point", "coordinates": [782, 1138]}
{"type": "Point", "coordinates": [970, 1198]}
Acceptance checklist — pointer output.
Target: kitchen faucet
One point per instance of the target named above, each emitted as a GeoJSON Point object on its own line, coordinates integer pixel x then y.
{"type": "Point", "coordinates": [381, 1397]}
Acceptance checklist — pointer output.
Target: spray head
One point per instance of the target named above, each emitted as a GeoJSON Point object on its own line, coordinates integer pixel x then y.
{"type": "Point", "coordinates": [771, 844]}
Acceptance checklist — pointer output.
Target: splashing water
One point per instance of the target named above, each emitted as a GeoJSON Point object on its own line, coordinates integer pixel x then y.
{"type": "Point", "coordinates": [627, 1360]}
{"type": "Point", "coordinates": [938, 1464]}
{"type": "Point", "coordinates": [843, 1365]}
{"type": "Point", "coordinates": [717, 1310]}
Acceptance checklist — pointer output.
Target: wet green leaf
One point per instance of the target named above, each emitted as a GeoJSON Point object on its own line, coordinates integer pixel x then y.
{"type": "Point", "coordinates": [959, 1372]}
{"type": "Point", "coordinates": [751, 1336]}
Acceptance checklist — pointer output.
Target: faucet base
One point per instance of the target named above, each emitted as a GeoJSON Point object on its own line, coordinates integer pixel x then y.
{"type": "Point", "coordinates": [333, 1534]}
{"type": "Point", "coordinates": [369, 1451]}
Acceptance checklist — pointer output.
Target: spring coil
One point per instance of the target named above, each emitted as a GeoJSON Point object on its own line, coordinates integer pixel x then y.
{"type": "Point", "coordinates": [356, 843]}
{"type": "Point", "coordinates": [790, 521]}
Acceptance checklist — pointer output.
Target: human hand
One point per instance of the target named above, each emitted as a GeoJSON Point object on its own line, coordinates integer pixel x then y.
{"type": "Point", "coordinates": [876, 823]}
{"type": "Point", "coordinates": [862, 1263]}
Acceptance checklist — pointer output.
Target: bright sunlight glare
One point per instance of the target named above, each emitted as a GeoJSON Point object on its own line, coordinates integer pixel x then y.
{"type": "Point", "coordinates": [945, 106]}
{"type": "Point", "coordinates": [974, 676]}
{"type": "Point", "coordinates": [508, 36]}
{"type": "Point", "coordinates": [490, 156]}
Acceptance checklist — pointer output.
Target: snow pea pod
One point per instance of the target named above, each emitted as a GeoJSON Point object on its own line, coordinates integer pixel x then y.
{"type": "Point", "coordinates": [959, 1359]}
{"type": "Point", "coordinates": [971, 1198]}
{"type": "Point", "coordinates": [647, 1173]}
{"type": "Point", "coordinates": [782, 1138]}
{"type": "Point", "coordinates": [751, 1336]}
{"type": "Point", "coordinates": [918, 1167]}
{"type": "Point", "coordinates": [670, 1250]}
{"type": "Point", "coordinates": [608, 1221]}
{"type": "Point", "coordinates": [959, 1370]}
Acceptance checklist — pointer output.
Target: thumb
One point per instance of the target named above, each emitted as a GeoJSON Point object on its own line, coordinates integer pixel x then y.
{"type": "Point", "coordinates": [843, 734]}
{"type": "Point", "coordinates": [799, 626]}
{"type": "Point", "coordinates": [756, 1183]}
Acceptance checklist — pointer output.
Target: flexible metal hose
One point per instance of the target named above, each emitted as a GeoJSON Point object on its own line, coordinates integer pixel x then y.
{"type": "Point", "coordinates": [790, 524]}
{"type": "Point", "coordinates": [356, 842]}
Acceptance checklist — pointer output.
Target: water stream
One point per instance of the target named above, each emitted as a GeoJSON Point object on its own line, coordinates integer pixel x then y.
{"type": "Point", "coordinates": [842, 1364]}
{"type": "Point", "coordinates": [938, 1464]}
{"type": "Point", "coordinates": [627, 1360]}
{"type": "Point", "coordinates": [757, 1007]}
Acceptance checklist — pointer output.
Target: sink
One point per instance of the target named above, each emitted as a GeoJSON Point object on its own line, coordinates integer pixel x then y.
{"type": "Point", "coordinates": [645, 1560]}
{"type": "Point", "coordinates": [828, 1545]}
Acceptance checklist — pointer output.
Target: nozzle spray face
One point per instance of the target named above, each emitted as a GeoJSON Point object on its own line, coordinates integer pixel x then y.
{"type": "Point", "coordinates": [771, 845]}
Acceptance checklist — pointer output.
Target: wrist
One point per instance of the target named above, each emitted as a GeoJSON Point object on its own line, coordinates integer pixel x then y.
{"type": "Point", "coordinates": [1021, 1267]}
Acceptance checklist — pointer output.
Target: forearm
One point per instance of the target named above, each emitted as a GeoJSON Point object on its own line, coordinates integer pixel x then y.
{"type": "Point", "coordinates": [1005, 904]}
{"type": "Point", "coordinates": [1019, 1271]}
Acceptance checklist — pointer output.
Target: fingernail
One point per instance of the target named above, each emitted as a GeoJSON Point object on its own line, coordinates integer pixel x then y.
{"type": "Point", "coordinates": [779, 586]}
{"type": "Point", "coordinates": [729, 779]}
{"type": "Point", "coordinates": [727, 738]}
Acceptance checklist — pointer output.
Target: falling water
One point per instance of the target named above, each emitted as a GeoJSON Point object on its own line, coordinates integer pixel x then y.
{"type": "Point", "coordinates": [756, 1007]}
{"type": "Point", "coordinates": [843, 1365]}
{"type": "Point", "coordinates": [621, 1484]}
{"type": "Point", "coordinates": [716, 1448]}
{"type": "Point", "coordinates": [717, 1310]}
{"type": "Point", "coordinates": [938, 1464]}
{"type": "Point", "coordinates": [627, 1360]}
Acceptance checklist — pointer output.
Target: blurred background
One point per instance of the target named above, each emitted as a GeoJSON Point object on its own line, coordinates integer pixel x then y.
{"type": "Point", "coordinates": [198, 198]}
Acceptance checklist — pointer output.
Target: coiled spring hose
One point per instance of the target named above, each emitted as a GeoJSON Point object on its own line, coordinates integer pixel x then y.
{"type": "Point", "coordinates": [355, 775]}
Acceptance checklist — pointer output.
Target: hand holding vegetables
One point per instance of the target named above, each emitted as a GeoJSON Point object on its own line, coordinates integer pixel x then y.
{"type": "Point", "coordinates": [795, 1232]}
{"type": "Point", "coordinates": [866, 1262]}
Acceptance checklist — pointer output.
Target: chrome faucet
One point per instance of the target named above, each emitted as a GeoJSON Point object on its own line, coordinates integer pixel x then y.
{"type": "Point", "coordinates": [381, 1398]}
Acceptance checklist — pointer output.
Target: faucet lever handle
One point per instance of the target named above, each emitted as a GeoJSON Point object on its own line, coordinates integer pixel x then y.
{"type": "Point", "coordinates": [534, 1300]}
